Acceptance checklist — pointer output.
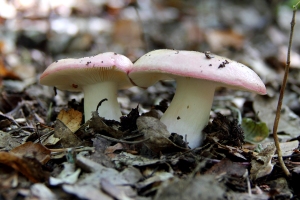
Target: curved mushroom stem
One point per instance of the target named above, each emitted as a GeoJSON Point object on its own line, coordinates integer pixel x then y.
{"type": "Point", "coordinates": [189, 110]}
{"type": "Point", "coordinates": [93, 94]}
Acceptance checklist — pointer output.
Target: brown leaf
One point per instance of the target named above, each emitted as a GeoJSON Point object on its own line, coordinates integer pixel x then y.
{"type": "Point", "coordinates": [261, 164]}
{"type": "Point", "coordinates": [30, 149]}
{"type": "Point", "coordinates": [5, 73]}
{"type": "Point", "coordinates": [229, 167]}
{"type": "Point", "coordinates": [99, 126]}
{"type": "Point", "coordinates": [109, 151]}
{"type": "Point", "coordinates": [158, 135]}
{"type": "Point", "coordinates": [71, 118]}
{"type": "Point", "coordinates": [29, 167]}
{"type": "Point", "coordinates": [66, 136]}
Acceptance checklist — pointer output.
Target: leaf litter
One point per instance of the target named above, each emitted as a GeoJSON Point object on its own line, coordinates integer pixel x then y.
{"type": "Point", "coordinates": [47, 152]}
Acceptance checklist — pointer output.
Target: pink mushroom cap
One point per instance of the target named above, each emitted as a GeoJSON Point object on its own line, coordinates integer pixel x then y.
{"type": "Point", "coordinates": [99, 77]}
{"type": "Point", "coordinates": [72, 74]}
{"type": "Point", "coordinates": [166, 64]}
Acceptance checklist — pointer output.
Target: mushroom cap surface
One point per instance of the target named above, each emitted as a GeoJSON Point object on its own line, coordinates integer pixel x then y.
{"type": "Point", "coordinates": [168, 64]}
{"type": "Point", "coordinates": [73, 74]}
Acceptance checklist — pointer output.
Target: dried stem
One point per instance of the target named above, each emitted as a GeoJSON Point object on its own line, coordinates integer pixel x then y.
{"type": "Point", "coordinates": [277, 117]}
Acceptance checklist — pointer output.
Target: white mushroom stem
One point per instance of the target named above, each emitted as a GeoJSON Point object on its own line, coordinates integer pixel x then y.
{"type": "Point", "coordinates": [94, 93]}
{"type": "Point", "coordinates": [189, 110]}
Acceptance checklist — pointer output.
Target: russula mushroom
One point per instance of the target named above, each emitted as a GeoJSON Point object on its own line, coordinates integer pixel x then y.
{"type": "Point", "coordinates": [99, 77]}
{"type": "Point", "coordinates": [197, 75]}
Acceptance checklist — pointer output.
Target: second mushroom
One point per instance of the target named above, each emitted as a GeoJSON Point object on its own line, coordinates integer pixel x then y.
{"type": "Point", "coordinates": [197, 75]}
{"type": "Point", "coordinates": [99, 77]}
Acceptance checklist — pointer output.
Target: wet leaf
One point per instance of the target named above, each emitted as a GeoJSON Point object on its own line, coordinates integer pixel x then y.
{"type": "Point", "coordinates": [254, 132]}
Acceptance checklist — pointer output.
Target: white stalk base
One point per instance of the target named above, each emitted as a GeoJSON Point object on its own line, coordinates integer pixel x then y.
{"type": "Point", "coordinates": [93, 94]}
{"type": "Point", "coordinates": [189, 110]}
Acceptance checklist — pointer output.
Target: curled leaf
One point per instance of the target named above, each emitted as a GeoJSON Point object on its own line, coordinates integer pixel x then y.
{"type": "Point", "coordinates": [255, 132]}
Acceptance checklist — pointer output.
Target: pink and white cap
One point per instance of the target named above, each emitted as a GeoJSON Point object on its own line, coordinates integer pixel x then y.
{"type": "Point", "coordinates": [72, 74]}
{"type": "Point", "coordinates": [99, 77]}
{"type": "Point", "coordinates": [168, 64]}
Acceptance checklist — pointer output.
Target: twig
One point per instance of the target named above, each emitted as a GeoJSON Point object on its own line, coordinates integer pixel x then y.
{"type": "Point", "coordinates": [277, 117]}
{"type": "Point", "coordinates": [99, 104]}
{"type": "Point", "coordinates": [37, 132]}
{"type": "Point", "coordinates": [120, 140]}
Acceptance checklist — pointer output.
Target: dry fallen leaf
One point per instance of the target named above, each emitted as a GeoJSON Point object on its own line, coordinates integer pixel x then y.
{"type": "Point", "coordinates": [134, 160]}
{"type": "Point", "coordinates": [71, 118]}
{"type": "Point", "coordinates": [202, 187]}
{"type": "Point", "coordinates": [109, 151]}
{"type": "Point", "coordinates": [30, 149]}
{"type": "Point", "coordinates": [157, 134]}
{"type": "Point", "coordinates": [86, 192]}
{"type": "Point", "coordinates": [287, 148]}
{"type": "Point", "coordinates": [261, 164]}
{"type": "Point", "coordinates": [155, 178]}
{"type": "Point", "coordinates": [50, 140]}
{"type": "Point", "coordinates": [98, 125]}
{"type": "Point", "coordinates": [41, 191]}
{"type": "Point", "coordinates": [68, 175]}
{"type": "Point", "coordinates": [289, 122]}
{"type": "Point", "coordinates": [29, 167]}
{"type": "Point", "coordinates": [228, 167]}
{"type": "Point", "coordinates": [118, 192]}
{"type": "Point", "coordinates": [66, 136]}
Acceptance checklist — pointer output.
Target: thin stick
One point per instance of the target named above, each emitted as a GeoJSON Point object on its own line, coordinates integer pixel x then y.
{"type": "Point", "coordinates": [120, 140]}
{"type": "Point", "coordinates": [277, 117]}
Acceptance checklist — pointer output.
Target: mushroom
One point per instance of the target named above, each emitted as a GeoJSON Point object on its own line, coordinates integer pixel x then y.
{"type": "Point", "coordinates": [197, 75]}
{"type": "Point", "coordinates": [99, 77]}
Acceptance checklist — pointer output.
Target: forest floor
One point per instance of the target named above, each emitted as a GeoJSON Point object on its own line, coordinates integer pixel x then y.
{"type": "Point", "coordinates": [47, 151]}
